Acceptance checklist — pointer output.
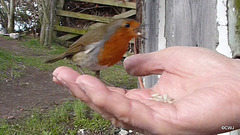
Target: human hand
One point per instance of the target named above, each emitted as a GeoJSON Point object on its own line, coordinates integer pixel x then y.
{"type": "Point", "coordinates": [204, 84]}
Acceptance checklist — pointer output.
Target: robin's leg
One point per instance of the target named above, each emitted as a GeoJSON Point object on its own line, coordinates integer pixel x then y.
{"type": "Point", "coordinates": [80, 69]}
{"type": "Point", "coordinates": [97, 74]}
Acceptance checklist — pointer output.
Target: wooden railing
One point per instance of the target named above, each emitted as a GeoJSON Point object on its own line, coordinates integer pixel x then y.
{"type": "Point", "coordinates": [74, 32]}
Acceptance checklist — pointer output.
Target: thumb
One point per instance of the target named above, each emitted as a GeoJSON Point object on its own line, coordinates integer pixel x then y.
{"type": "Point", "coordinates": [172, 59]}
{"type": "Point", "coordinates": [146, 64]}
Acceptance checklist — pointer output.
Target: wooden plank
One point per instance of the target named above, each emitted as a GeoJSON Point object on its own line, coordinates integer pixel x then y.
{"type": "Point", "coordinates": [191, 23]}
{"type": "Point", "coordinates": [125, 14]}
{"type": "Point", "coordinates": [70, 30]}
{"type": "Point", "coordinates": [68, 36]}
{"type": "Point", "coordinates": [100, 19]}
{"type": "Point", "coordinates": [112, 3]}
{"type": "Point", "coordinates": [95, 18]}
{"type": "Point", "coordinates": [84, 16]}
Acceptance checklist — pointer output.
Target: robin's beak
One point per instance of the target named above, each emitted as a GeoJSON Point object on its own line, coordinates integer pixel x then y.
{"type": "Point", "coordinates": [138, 31]}
{"type": "Point", "coordinates": [139, 34]}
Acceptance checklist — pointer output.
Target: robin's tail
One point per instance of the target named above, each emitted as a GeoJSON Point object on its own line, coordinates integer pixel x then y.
{"type": "Point", "coordinates": [56, 58]}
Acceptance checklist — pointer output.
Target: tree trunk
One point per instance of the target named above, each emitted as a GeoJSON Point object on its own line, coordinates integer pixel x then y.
{"type": "Point", "coordinates": [11, 17]}
{"type": "Point", "coordinates": [47, 21]}
{"type": "Point", "coordinates": [42, 34]}
{"type": "Point", "coordinates": [10, 14]}
{"type": "Point", "coordinates": [52, 19]}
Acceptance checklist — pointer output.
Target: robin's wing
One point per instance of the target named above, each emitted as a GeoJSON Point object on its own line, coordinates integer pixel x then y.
{"type": "Point", "coordinates": [90, 37]}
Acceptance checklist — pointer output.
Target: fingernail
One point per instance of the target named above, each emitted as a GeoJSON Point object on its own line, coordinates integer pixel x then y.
{"type": "Point", "coordinates": [60, 81]}
{"type": "Point", "coordinates": [63, 84]}
{"type": "Point", "coordinates": [82, 85]}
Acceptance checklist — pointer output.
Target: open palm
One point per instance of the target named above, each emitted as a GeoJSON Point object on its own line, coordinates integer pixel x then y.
{"type": "Point", "coordinates": [204, 85]}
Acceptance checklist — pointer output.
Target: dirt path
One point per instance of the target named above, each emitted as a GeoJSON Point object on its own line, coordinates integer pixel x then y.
{"type": "Point", "coordinates": [34, 89]}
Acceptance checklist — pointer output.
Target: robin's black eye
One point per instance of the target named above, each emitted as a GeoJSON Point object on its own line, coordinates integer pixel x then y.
{"type": "Point", "coordinates": [127, 25]}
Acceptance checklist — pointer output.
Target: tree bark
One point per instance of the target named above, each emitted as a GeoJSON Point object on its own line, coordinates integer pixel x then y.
{"type": "Point", "coordinates": [42, 34]}
{"type": "Point", "coordinates": [11, 17]}
{"type": "Point", "coordinates": [52, 20]}
{"type": "Point", "coordinates": [10, 14]}
{"type": "Point", "coordinates": [47, 21]}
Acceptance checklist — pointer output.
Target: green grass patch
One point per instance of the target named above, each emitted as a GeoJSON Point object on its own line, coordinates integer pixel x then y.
{"type": "Point", "coordinates": [13, 66]}
{"type": "Point", "coordinates": [68, 118]}
{"type": "Point", "coordinates": [10, 66]}
{"type": "Point", "coordinates": [6, 37]}
{"type": "Point", "coordinates": [117, 76]}
{"type": "Point", "coordinates": [35, 45]}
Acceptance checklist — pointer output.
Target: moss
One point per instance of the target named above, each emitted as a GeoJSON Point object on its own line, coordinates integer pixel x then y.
{"type": "Point", "coordinates": [237, 7]}
{"type": "Point", "coordinates": [237, 4]}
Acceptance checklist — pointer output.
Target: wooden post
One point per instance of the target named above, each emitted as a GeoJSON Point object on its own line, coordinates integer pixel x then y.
{"type": "Point", "coordinates": [60, 5]}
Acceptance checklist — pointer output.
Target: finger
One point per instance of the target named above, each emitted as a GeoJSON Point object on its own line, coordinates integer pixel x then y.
{"type": "Point", "coordinates": [118, 90]}
{"type": "Point", "coordinates": [150, 63]}
{"type": "Point", "coordinates": [66, 77]}
{"type": "Point", "coordinates": [142, 64]}
{"type": "Point", "coordinates": [58, 71]}
{"type": "Point", "coordinates": [172, 59]}
{"type": "Point", "coordinates": [124, 109]}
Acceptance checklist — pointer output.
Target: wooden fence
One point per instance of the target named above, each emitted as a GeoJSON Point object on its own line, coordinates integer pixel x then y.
{"type": "Point", "coordinates": [74, 32]}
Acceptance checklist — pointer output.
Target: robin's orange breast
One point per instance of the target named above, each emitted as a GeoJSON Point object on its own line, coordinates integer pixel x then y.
{"type": "Point", "coordinates": [114, 49]}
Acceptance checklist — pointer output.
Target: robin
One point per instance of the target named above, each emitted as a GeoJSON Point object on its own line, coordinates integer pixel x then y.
{"type": "Point", "coordinates": [102, 47]}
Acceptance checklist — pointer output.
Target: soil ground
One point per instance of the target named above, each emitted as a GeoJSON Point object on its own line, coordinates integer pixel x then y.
{"type": "Point", "coordinates": [34, 89]}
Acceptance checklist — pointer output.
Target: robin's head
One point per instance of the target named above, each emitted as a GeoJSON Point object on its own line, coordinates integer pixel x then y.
{"type": "Point", "coordinates": [125, 28]}
{"type": "Point", "coordinates": [131, 27]}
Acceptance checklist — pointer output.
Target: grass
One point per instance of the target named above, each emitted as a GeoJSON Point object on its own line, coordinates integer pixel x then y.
{"type": "Point", "coordinates": [68, 118]}
{"type": "Point", "coordinates": [35, 45]}
{"type": "Point", "coordinates": [6, 37]}
{"type": "Point", "coordinates": [11, 66]}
